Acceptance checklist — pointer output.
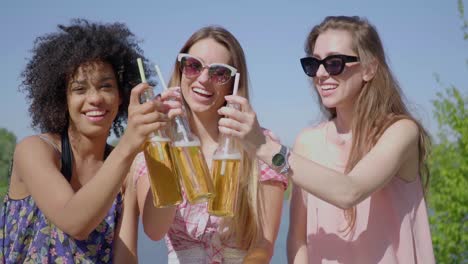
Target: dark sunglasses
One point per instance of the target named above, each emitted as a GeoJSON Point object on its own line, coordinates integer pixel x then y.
{"type": "Point", "coordinates": [334, 64]}
{"type": "Point", "coordinates": [192, 67]}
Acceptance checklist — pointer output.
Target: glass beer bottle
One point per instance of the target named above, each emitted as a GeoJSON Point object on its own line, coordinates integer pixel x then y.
{"type": "Point", "coordinates": [226, 171]}
{"type": "Point", "coordinates": [190, 163]}
{"type": "Point", "coordinates": [163, 179]}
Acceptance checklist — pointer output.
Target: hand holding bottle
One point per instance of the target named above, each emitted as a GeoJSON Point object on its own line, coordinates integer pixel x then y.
{"type": "Point", "coordinates": [226, 171]}
{"type": "Point", "coordinates": [241, 123]}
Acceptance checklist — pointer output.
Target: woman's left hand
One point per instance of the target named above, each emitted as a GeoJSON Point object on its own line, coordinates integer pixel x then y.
{"type": "Point", "coordinates": [241, 122]}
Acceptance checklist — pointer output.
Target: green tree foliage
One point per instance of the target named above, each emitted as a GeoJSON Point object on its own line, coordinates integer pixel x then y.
{"type": "Point", "coordinates": [448, 196]}
{"type": "Point", "coordinates": [7, 146]}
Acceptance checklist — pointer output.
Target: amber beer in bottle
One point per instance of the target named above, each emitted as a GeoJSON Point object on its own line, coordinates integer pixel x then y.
{"type": "Point", "coordinates": [157, 149]}
{"type": "Point", "coordinates": [193, 171]}
{"type": "Point", "coordinates": [226, 170]}
{"type": "Point", "coordinates": [163, 179]}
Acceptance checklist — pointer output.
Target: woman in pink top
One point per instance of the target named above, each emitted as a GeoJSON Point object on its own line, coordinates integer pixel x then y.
{"type": "Point", "coordinates": [192, 235]}
{"type": "Point", "coordinates": [358, 195]}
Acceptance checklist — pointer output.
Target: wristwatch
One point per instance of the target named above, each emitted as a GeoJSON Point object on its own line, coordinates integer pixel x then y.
{"type": "Point", "coordinates": [280, 161]}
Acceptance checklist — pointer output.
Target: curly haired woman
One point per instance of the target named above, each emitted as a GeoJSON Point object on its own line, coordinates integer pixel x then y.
{"type": "Point", "coordinates": [65, 201]}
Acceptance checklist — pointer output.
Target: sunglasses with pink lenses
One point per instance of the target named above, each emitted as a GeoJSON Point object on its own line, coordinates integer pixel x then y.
{"type": "Point", "coordinates": [192, 67]}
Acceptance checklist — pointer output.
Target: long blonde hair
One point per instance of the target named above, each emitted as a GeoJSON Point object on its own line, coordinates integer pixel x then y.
{"type": "Point", "coordinates": [245, 225]}
{"type": "Point", "coordinates": [380, 102]}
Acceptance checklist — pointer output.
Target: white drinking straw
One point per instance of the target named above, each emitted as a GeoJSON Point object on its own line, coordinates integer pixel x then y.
{"type": "Point", "coordinates": [177, 119]}
{"type": "Point", "coordinates": [142, 72]}
{"type": "Point", "coordinates": [148, 94]}
{"type": "Point", "coordinates": [184, 133]}
{"type": "Point", "coordinates": [234, 92]}
{"type": "Point", "coordinates": [236, 84]}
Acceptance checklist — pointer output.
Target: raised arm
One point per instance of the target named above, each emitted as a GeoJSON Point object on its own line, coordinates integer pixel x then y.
{"type": "Point", "coordinates": [79, 212]}
{"type": "Point", "coordinates": [395, 151]}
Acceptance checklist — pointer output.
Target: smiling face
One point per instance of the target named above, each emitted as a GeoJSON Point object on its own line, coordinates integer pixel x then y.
{"type": "Point", "coordinates": [93, 99]}
{"type": "Point", "coordinates": [201, 94]}
{"type": "Point", "coordinates": [338, 91]}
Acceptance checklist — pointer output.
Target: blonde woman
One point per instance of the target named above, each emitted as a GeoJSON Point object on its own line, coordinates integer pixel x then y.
{"type": "Point", "coordinates": [358, 177]}
{"type": "Point", "coordinates": [203, 73]}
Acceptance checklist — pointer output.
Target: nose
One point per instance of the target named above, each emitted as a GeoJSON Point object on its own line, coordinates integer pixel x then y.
{"type": "Point", "coordinates": [204, 76]}
{"type": "Point", "coordinates": [322, 72]}
{"type": "Point", "coordinates": [94, 97]}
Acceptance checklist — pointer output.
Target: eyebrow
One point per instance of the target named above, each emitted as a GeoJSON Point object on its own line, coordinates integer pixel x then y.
{"type": "Point", "coordinates": [197, 58]}
{"type": "Point", "coordinates": [83, 81]}
{"type": "Point", "coordinates": [326, 55]}
{"type": "Point", "coordinates": [106, 78]}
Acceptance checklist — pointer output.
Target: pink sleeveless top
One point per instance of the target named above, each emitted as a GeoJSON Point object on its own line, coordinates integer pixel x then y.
{"type": "Point", "coordinates": [391, 225]}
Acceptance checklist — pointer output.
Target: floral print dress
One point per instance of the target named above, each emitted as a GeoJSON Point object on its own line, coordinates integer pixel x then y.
{"type": "Point", "coordinates": [27, 236]}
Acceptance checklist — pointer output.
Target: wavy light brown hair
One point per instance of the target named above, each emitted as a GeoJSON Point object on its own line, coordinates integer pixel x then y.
{"type": "Point", "coordinates": [380, 102]}
{"type": "Point", "coordinates": [245, 226]}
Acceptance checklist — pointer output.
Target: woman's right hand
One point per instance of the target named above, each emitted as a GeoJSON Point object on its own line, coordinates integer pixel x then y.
{"type": "Point", "coordinates": [145, 118]}
{"type": "Point", "coordinates": [241, 123]}
{"type": "Point", "coordinates": [172, 98]}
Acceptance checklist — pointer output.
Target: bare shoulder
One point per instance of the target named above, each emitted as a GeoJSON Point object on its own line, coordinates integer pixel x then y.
{"type": "Point", "coordinates": [403, 130]}
{"type": "Point", "coordinates": [30, 143]}
{"type": "Point", "coordinates": [406, 132]}
{"type": "Point", "coordinates": [34, 144]}
{"type": "Point", "coordinates": [30, 153]}
{"type": "Point", "coordinates": [33, 150]}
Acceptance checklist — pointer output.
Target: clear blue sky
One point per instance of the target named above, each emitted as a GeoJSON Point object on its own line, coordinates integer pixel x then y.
{"type": "Point", "coordinates": [420, 37]}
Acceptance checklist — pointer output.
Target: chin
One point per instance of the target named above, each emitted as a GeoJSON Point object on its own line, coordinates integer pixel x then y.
{"type": "Point", "coordinates": [201, 108]}
{"type": "Point", "coordinates": [94, 132]}
{"type": "Point", "coordinates": [329, 104]}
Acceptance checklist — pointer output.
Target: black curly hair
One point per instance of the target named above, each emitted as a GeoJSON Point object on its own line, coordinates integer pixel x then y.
{"type": "Point", "coordinates": [57, 56]}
